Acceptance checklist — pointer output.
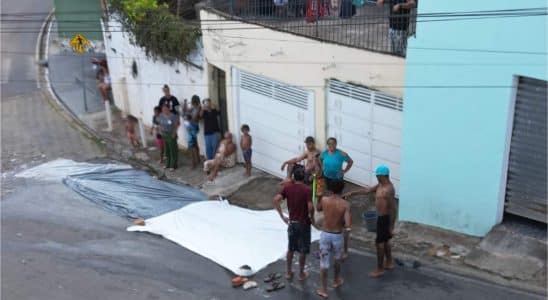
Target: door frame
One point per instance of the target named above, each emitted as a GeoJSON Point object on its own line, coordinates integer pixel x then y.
{"type": "Point", "coordinates": [506, 154]}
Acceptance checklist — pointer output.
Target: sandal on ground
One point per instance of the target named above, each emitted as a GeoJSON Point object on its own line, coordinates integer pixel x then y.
{"type": "Point", "coordinates": [321, 294]}
{"type": "Point", "coordinates": [274, 286]}
{"type": "Point", "coordinates": [272, 276]}
{"type": "Point", "coordinates": [250, 285]}
{"type": "Point", "coordinates": [238, 281]}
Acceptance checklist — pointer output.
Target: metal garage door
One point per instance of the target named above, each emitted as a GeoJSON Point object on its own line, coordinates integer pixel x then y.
{"type": "Point", "coordinates": [367, 125]}
{"type": "Point", "coordinates": [280, 116]}
{"type": "Point", "coordinates": [526, 181]}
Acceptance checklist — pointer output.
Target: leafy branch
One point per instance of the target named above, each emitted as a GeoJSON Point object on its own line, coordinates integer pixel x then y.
{"type": "Point", "coordinates": [162, 34]}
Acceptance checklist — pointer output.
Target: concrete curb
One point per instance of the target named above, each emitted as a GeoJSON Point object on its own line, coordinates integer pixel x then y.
{"type": "Point", "coordinates": [464, 271]}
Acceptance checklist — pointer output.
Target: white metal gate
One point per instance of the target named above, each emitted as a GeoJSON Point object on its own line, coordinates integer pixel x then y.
{"type": "Point", "coordinates": [367, 125]}
{"type": "Point", "coordinates": [280, 116]}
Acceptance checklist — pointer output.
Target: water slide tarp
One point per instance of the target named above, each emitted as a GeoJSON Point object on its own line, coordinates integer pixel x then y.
{"type": "Point", "coordinates": [117, 187]}
{"type": "Point", "coordinates": [229, 235]}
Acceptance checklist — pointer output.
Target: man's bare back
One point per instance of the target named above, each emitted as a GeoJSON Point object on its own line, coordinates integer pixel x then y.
{"type": "Point", "coordinates": [336, 212]}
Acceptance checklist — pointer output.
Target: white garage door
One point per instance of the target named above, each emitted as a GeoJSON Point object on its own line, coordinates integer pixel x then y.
{"type": "Point", "coordinates": [367, 125]}
{"type": "Point", "coordinates": [280, 116]}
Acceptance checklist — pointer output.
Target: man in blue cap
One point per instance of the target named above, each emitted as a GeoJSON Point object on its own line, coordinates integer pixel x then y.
{"type": "Point", "coordinates": [386, 217]}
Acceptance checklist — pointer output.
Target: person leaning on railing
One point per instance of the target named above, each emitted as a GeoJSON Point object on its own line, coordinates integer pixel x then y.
{"type": "Point", "coordinates": [400, 11]}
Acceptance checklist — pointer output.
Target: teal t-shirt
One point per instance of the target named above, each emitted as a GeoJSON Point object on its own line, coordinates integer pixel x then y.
{"type": "Point", "coordinates": [332, 164]}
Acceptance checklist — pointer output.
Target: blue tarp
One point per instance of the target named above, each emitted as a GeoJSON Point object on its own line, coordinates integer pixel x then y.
{"type": "Point", "coordinates": [132, 193]}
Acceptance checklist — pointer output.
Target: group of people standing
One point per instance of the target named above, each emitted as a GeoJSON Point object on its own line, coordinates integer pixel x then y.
{"type": "Point", "coordinates": [320, 170]}
{"type": "Point", "coordinates": [220, 153]}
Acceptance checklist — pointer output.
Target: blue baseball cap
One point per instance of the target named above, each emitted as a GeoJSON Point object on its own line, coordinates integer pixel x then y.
{"type": "Point", "coordinates": [382, 170]}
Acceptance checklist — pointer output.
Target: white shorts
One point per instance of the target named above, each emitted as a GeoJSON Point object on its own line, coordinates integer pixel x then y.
{"type": "Point", "coordinates": [330, 242]}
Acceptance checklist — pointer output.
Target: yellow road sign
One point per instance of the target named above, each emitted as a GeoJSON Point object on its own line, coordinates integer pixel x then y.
{"type": "Point", "coordinates": [79, 43]}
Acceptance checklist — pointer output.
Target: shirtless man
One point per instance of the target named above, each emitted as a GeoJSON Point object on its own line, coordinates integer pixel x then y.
{"type": "Point", "coordinates": [311, 165]}
{"type": "Point", "coordinates": [225, 157]}
{"type": "Point", "coordinates": [386, 211]}
{"type": "Point", "coordinates": [336, 212]}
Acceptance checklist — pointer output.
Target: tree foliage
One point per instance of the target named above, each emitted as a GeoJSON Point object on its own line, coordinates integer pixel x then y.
{"type": "Point", "coordinates": [162, 34]}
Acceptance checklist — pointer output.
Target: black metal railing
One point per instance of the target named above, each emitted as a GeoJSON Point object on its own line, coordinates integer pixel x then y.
{"type": "Point", "coordinates": [355, 23]}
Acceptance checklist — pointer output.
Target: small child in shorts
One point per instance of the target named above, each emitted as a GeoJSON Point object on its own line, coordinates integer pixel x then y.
{"type": "Point", "coordinates": [131, 133]}
{"type": "Point", "coordinates": [245, 144]}
{"type": "Point", "coordinates": [155, 130]}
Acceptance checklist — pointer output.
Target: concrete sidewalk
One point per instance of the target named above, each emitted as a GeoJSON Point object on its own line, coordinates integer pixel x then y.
{"type": "Point", "coordinates": [504, 256]}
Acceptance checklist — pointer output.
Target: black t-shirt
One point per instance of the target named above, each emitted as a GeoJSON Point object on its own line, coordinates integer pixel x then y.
{"type": "Point", "coordinates": [399, 20]}
{"type": "Point", "coordinates": [172, 102]}
{"type": "Point", "coordinates": [211, 123]}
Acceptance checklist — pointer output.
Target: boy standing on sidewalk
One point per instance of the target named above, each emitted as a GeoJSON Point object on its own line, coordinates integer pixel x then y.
{"type": "Point", "coordinates": [301, 216]}
{"type": "Point", "coordinates": [336, 212]}
{"type": "Point", "coordinates": [386, 210]}
{"type": "Point", "coordinates": [245, 144]}
{"type": "Point", "coordinates": [169, 123]}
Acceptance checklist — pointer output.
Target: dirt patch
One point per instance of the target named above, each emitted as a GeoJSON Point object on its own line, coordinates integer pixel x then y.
{"type": "Point", "coordinates": [257, 194]}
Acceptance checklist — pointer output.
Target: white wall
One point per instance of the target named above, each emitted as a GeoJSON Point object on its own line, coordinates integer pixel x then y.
{"type": "Point", "coordinates": [296, 60]}
{"type": "Point", "coordinates": [139, 95]}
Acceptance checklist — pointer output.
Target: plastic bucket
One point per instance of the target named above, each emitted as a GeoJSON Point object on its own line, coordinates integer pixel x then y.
{"type": "Point", "coordinates": [370, 219]}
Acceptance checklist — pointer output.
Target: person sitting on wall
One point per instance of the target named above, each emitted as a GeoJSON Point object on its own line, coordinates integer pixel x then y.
{"type": "Point", "coordinates": [224, 158]}
{"type": "Point", "coordinates": [104, 83]}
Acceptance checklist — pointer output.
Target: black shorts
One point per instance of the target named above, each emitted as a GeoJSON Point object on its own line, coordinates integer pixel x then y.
{"type": "Point", "coordinates": [383, 229]}
{"type": "Point", "coordinates": [298, 235]}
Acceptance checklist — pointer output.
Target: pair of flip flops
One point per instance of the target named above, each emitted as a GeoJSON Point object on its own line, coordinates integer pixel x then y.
{"type": "Point", "coordinates": [241, 281]}
{"type": "Point", "coordinates": [275, 284]}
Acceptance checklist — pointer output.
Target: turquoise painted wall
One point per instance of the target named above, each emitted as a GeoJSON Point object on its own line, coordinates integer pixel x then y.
{"type": "Point", "coordinates": [454, 139]}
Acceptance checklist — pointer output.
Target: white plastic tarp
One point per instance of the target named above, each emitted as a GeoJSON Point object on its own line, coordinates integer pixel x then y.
{"type": "Point", "coordinates": [229, 235]}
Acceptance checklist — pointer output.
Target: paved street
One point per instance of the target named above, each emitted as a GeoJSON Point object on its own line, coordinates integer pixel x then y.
{"type": "Point", "coordinates": [57, 245]}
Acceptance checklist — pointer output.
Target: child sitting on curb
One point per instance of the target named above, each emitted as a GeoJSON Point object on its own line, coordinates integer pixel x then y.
{"type": "Point", "coordinates": [131, 133]}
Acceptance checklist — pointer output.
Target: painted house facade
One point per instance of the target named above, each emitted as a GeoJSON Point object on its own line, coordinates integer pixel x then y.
{"type": "Point", "coordinates": [289, 78]}
{"type": "Point", "coordinates": [474, 131]}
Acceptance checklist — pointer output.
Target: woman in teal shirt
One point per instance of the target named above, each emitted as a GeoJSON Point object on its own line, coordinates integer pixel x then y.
{"type": "Point", "coordinates": [332, 161]}
{"type": "Point", "coordinates": [332, 165]}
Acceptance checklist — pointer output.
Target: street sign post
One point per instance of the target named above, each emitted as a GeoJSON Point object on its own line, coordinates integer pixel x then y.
{"type": "Point", "coordinates": [80, 45]}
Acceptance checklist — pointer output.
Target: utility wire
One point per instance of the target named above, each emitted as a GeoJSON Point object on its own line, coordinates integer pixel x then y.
{"type": "Point", "coordinates": [71, 82]}
{"type": "Point", "coordinates": [289, 62]}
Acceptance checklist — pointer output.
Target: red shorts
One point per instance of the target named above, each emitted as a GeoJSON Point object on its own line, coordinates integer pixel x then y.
{"type": "Point", "coordinates": [159, 142]}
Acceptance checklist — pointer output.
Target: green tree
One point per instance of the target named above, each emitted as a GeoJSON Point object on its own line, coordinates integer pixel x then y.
{"type": "Point", "coordinates": [162, 34]}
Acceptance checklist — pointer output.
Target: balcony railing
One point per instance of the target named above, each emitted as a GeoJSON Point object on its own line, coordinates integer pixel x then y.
{"type": "Point", "coordinates": [364, 26]}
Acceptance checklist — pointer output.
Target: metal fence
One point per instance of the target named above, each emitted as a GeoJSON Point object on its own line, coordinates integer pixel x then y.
{"type": "Point", "coordinates": [355, 23]}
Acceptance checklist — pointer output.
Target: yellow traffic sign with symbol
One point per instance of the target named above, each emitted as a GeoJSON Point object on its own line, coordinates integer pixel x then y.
{"type": "Point", "coordinates": [79, 43]}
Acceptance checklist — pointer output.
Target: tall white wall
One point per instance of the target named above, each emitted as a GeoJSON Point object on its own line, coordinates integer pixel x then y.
{"type": "Point", "coordinates": [138, 95]}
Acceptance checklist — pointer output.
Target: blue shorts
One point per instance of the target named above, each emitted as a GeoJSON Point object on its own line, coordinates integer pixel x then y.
{"type": "Point", "coordinates": [247, 154]}
{"type": "Point", "coordinates": [192, 131]}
